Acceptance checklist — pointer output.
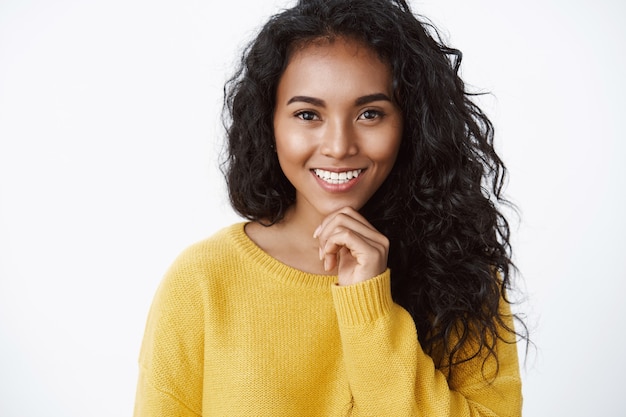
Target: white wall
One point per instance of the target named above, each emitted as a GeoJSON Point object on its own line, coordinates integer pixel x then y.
{"type": "Point", "coordinates": [109, 134]}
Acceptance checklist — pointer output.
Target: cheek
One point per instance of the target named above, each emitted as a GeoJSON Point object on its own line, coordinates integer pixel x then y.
{"type": "Point", "coordinates": [386, 151]}
{"type": "Point", "coordinates": [292, 144]}
{"type": "Point", "coordinates": [291, 150]}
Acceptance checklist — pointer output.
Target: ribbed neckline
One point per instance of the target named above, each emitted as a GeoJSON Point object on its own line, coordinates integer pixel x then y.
{"type": "Point", "coordinates": [272, 266]}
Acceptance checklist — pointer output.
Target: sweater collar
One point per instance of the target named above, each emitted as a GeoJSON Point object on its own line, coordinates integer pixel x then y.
{"type": "Point", "coordinates": [273, 267]}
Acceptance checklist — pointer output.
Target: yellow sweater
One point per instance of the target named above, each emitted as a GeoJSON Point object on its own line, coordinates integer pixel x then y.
{"type": "Point", "coordinates": [234, 332]}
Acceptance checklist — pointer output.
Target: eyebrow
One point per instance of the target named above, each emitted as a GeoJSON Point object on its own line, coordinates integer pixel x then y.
{"type": "Point", "coordinates": [321, 103]}
{"type": "Point", "coordinates": [306, 99]}
{"type": "Point", "coordinates": [370, 98]}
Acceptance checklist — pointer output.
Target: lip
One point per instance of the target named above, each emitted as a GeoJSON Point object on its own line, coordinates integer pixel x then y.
{"type": "Point", "coordinates": [343, 186]}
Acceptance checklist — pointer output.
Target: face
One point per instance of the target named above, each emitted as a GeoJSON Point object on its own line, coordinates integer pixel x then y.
{"type": "Point", "coordinates": [336, 125]}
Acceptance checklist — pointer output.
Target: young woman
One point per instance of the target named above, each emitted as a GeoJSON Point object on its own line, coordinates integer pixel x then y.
{"type": "Point", "coordinates": [371, 277]}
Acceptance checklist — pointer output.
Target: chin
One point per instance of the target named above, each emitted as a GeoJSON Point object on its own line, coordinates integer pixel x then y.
{"type": "Point", "coordinates": [331, 208]}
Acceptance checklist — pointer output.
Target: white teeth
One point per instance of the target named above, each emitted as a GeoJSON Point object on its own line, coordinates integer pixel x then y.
{"type": "Point", "coordinates": [332, 177]}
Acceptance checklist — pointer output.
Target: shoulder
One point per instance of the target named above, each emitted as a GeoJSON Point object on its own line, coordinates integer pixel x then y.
{"type": "Point", "coordinates": [219, 251]}
{"type": "Point", "coordinates": [223, 240]}
{"type": "Point", "coordinates": [198, 269]}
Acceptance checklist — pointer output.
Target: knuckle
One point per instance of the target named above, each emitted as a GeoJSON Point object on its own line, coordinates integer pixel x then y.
{"type": "Point", "coordinates": [342, 216]}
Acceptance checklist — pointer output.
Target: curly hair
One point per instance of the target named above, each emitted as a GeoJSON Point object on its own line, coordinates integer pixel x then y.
{"type": "Point", "coordinates": [450, 252]}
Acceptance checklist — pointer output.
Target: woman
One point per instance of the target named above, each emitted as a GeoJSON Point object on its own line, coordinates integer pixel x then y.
{"type": "Point", "coordinates": [371, 278]}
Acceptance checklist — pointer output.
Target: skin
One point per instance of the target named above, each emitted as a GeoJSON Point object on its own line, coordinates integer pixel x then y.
{"type": "Point", "coordinates": [335, 112]}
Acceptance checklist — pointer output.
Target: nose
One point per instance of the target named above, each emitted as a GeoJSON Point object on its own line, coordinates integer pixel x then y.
{"type": "Point", "coordinates": [339, 140]}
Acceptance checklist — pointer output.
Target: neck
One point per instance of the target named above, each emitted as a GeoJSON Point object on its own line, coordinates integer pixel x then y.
{"type": "Point", "coordinates": [299, 224]}
{"type": "Point", "coordinates": [291, 241]}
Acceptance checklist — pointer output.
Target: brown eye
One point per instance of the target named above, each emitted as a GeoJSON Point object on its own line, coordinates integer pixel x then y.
{"type": "Point", "coordinates": [306, 115]}
{"type": "Point", "coordinates": [370, 114]}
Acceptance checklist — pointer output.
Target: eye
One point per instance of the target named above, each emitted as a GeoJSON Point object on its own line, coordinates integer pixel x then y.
{"type": "Point", "coordinates": [307, 115]}
{"type": "Point", "coordinates": [371, 114]}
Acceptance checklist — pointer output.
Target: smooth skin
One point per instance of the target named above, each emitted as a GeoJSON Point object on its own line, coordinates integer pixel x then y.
{"type": "Point", "coordinates": [335, 114]}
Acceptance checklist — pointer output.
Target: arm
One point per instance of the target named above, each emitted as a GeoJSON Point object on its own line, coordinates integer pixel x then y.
{"type": "Point", "coordinates": [390, 375]}
{"type": "Point", "coordinates": [171, 358]}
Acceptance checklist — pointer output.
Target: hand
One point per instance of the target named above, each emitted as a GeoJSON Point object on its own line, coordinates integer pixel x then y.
{"type": "Point", "coordinates": [349, 243]}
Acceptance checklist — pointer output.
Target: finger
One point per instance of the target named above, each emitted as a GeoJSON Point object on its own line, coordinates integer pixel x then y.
{"type": "Point", "coordinates": [356, 244]}
{"type": "Point", "coordinates": [349, 219]}
{"type": "Point", "coordinates": [332, 261]}
{"type": "Point", "coordinates": [346, 245]}
{"type": "Point", "coordinates": [354, 236]}
{"type": "Point", "coordinates": [345, 221]}
{"type": "Point", "coordinates": [345, 212]}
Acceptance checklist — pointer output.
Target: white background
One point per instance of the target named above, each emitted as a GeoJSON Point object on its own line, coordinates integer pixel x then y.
{"type": "Point", "coordinates": [109, 137]}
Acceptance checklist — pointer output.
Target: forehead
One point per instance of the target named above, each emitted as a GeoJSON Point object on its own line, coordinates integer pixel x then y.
{"type": "Point", "coordinates": [325, 44]}
{"type": "Point", "coordinates": [335, 63]}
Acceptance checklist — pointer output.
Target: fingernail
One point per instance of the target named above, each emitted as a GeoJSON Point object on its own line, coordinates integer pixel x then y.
{"type": "Point", "coordinates": [321, 254]}
{"type": "Point", "coordinates": [317, 231]}
{"type": "Point", "coordinates": [326, 265]}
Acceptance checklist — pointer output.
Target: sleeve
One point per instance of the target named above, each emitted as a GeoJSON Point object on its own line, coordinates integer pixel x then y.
{"type": "Point", "coordinates": [390, 374]}
{"type": "Point", "coordinates": [171, 358]}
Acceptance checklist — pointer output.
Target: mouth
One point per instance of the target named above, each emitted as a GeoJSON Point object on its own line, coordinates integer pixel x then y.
{"type": "Point", "coordinates": [340, 177]}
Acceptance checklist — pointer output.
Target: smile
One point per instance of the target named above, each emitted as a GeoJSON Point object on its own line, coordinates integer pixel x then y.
{"type": "Point", "coordinates": [332, 177]}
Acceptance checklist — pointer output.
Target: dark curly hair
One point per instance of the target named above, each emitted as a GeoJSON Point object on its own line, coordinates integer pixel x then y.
{"type": "Point", "coordinates": [450, 252]}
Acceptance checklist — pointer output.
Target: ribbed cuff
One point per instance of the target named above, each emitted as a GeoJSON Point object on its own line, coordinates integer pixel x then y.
{"type": "Point", "coordinates": [364, 302]}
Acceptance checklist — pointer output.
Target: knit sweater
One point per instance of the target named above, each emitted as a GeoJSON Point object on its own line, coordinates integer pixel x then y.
{"type": "Point", "coordinates": [234, 332]}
